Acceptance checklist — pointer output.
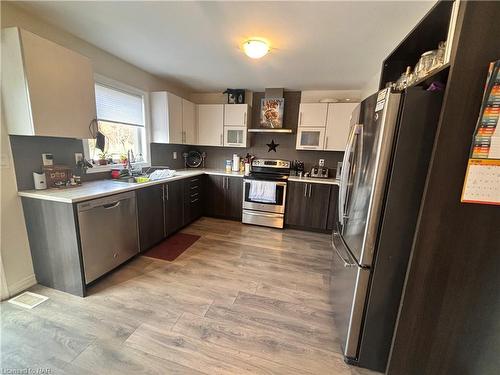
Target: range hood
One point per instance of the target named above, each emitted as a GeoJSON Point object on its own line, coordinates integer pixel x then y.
{"type": "Point", "coordinates": [272, 93]}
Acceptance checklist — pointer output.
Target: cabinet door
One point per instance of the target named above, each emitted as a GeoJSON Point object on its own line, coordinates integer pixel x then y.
{"type": "Point", "coordinates": [310, 138]}
{"type": "Point", "coordinates": [307, 205]}
{"type": "Point", "coordinates": [150, 216]}
{"type": "Point", "coordinates": [174, 206]}
{"type": "Point", "coordinates": [337, 125]}
{"type": "Point", "coordinates": [296, 204]}
{"type": "Point", "coordinates": [235, 136]}
{"type": "Point", "coordinates": [235, 114]}
{"type": "Point", "coordinates": [188, 122]}
{"type": "Point", "coordinates": [210, 123]}
{"type": "Point", "coordinates": [57, 83]}
{"type": "Point", "coordinates": [318, 201]}
{"type": "Point", "coordinates": [174, 105]}
{"type": "Point", "coordinates": [233, 197]}
{"type": "Point", "coordinates": [213, 196]}
{"type": "Point", "coordinates": [313, 114]}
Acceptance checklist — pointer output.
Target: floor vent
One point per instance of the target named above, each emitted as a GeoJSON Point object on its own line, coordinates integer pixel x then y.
{"type": "Point", "coordinates": [28, 300]}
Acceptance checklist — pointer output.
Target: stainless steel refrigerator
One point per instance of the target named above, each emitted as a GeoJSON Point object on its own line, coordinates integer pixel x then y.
{"type": "Point", "coordinates": [383, 177]}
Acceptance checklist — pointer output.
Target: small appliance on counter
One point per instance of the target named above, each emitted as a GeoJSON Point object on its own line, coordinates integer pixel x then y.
{"type": "Point", "coordinates": [40, 181]}
{"type": "Point", "coordinates": [319, 172]}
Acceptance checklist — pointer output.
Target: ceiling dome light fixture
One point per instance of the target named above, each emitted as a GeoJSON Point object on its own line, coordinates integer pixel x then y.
{"type": "Point", "coordinates": [255, 49]}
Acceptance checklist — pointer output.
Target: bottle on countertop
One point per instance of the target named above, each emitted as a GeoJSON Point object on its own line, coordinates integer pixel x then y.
{"type": "Point", "coordinates": [236, 163]}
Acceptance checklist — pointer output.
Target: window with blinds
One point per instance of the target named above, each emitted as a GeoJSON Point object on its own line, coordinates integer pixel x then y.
{"type": "Point", "coordinates": [117, 106]}
{"type": "Point", "coordinates": [121, 119]}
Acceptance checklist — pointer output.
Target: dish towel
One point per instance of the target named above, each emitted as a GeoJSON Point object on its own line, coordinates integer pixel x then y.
{"type": "Point", "coordinates": [262, 191]}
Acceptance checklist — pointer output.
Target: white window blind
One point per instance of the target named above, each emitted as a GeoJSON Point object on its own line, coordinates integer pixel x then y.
{"type": "Point", "coordinates": [118, 106]}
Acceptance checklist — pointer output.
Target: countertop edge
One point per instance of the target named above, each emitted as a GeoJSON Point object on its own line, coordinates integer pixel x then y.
{"type": "Point", "coordinates": [129, 187]}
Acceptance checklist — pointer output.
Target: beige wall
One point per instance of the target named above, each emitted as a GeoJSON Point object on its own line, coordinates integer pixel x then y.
{"type": "Point", "coordinates": [103, 62]}
{"type": "Point", "coordinates": [14, 248]}
{"type": "Point", "coordinates": [15, 261]}
{"type": "Point", "coordinates": [371, 86]}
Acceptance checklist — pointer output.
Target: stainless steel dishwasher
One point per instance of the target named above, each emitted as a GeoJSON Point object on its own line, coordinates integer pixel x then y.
{"type": "Point", "coordinates": [108, 233]}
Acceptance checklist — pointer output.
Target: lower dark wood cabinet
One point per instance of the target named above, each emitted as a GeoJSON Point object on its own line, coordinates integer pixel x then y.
{"type": "Point", "coordinates": [150, 216]}
{"type": "Point", "coordinates": [234, 197]}
{"type": "Point", "coordinates": [307, 205]}
{"type": "Point", "coordinates": [193, 199]}
{"type": "Point", "coordinates": [223, 196]}
{"type": "Point", "coordinates": [174, 206]}
{"type": "Point", "coordinates": [214, 196]}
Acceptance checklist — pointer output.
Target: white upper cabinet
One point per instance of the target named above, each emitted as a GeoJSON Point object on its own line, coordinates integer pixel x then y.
{"type": "Point", "coordinates": [313, 114]}
{"type": "Point", "coordinates": [337, 125]}
{"type": "Point", "coordinates": [166, 116]}
{"type": "Point", "coordinates": [236, 114]}
{"type": "Point", "coordinates": [173, 119]}
{"type": "Point", "coordinates": [47, 90]}
{"type": "Point", "coordinates": [210, 123]}
{"type": "Point", "coordinates": [189, 122]}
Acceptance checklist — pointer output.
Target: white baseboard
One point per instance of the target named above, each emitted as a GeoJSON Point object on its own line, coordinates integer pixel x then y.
{"type": "Point", "coordinates": [21, 285]}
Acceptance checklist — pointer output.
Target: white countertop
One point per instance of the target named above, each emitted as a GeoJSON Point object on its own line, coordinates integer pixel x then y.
{"type": "Point", "coordinates": [102, 188]}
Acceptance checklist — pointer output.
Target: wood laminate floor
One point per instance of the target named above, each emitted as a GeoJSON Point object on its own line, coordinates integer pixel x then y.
{"type": "Point", "coordinates": [241, 300]}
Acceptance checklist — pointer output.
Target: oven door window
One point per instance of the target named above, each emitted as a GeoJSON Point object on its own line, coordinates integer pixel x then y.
{"type": "Point", "coordinates": [280, 193]}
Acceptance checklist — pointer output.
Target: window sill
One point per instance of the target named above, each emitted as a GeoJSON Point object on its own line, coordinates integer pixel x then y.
{"type": "Point", "coordinates": [109, 167]}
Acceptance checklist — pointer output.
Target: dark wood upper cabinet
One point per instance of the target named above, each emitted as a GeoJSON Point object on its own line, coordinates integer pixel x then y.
{"type": "Point", "coordinates": [150, 216]}
{"type": "Point", "coordinates": [174, 206]}
{"type": "Point", "coordinates": [308, 205]}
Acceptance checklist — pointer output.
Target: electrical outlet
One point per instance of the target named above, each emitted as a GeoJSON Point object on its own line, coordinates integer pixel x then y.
{"type": "Point", "coordinates": [174, 155]}
{"type": "Point", "coordinates": [78, 157]}
{"type": "Point", "coordinates": [321, 162]}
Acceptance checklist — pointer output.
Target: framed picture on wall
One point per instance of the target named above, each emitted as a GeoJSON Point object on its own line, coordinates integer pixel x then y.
{"type": "Point", "coordinates": [271, 112]}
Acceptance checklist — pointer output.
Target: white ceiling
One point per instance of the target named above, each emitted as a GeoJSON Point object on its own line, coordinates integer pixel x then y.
{"type": "Point", "coordinates": [316, 45]}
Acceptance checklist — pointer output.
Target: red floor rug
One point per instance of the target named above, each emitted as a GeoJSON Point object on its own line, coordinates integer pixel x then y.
{"type": "Point", "coordinates": [172, 247]}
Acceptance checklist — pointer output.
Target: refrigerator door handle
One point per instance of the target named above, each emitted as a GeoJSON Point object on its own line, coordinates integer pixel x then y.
{"type": "Point", "coordinates": [344, 175]}
{"type": "Point", "coordinates": [338, 245]}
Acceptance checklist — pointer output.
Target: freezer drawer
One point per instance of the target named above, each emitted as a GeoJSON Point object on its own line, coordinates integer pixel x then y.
{"type": "Point", "coordinates": [108, 233]}
{"type": "Point", "coordinates": [349, 286]}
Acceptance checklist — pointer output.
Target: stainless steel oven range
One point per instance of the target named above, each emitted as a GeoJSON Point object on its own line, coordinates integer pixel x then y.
{"type": "Point", "coordinates": [264, 193]}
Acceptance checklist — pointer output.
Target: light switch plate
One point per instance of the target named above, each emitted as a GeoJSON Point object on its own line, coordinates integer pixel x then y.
{"type": "Point", "coordinates": [321, 162]}
{"type": "Point", "coordinates": [47, 160]}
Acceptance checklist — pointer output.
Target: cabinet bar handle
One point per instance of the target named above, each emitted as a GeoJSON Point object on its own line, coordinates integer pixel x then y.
{"type": "Point", "coordinates": [310, 190]}
{"type": "Point", "coordinates": [326, 142]}
{"type": "Point", "coordinates": [305, 190]}
{"type": "Point", "coordinates": [167, 191]}
{"type": "Point", "coordinates": [221, 141]}
{"type": "Point", "coordinates": [245, 119]}
{"type": "Point", "coordinates": [300, 118]}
